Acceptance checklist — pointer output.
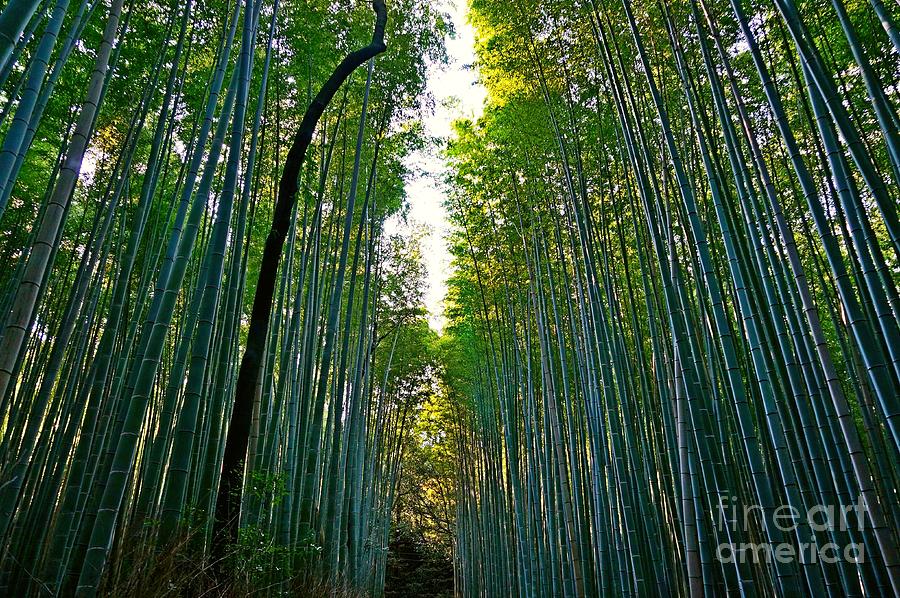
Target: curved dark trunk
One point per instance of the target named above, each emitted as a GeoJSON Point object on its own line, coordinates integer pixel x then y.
{"type": "Point", "coordinates": [228, 500]}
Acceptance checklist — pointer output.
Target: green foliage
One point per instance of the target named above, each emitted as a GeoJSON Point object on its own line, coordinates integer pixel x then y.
{"type": "Point", "coordinates": [267, 487]}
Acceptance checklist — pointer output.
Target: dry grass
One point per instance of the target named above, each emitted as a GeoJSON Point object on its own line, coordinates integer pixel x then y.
{"type": "Point", "coordinates": [180, 569]}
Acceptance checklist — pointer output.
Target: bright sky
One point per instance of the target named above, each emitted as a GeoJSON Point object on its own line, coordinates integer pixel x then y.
{"type": "Point", "coordinates": [457, 94]}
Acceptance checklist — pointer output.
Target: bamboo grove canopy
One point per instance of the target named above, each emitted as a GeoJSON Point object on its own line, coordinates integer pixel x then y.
{"type": "Point", "coordinates": [671, 361]}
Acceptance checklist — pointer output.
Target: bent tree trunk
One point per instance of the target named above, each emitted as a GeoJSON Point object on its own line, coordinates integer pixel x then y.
{"type": "Point", "coordinates": [228, 500]}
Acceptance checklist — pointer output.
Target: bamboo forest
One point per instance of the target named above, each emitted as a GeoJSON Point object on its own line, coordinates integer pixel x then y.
{"type": "Point", "coordinates": [475, 298]}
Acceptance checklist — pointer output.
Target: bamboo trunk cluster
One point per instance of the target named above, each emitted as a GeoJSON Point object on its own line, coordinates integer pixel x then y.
{"type": "Point", "coordinates": [685, 308]}
{"type": "Point", "coordinates": [132, 433]}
